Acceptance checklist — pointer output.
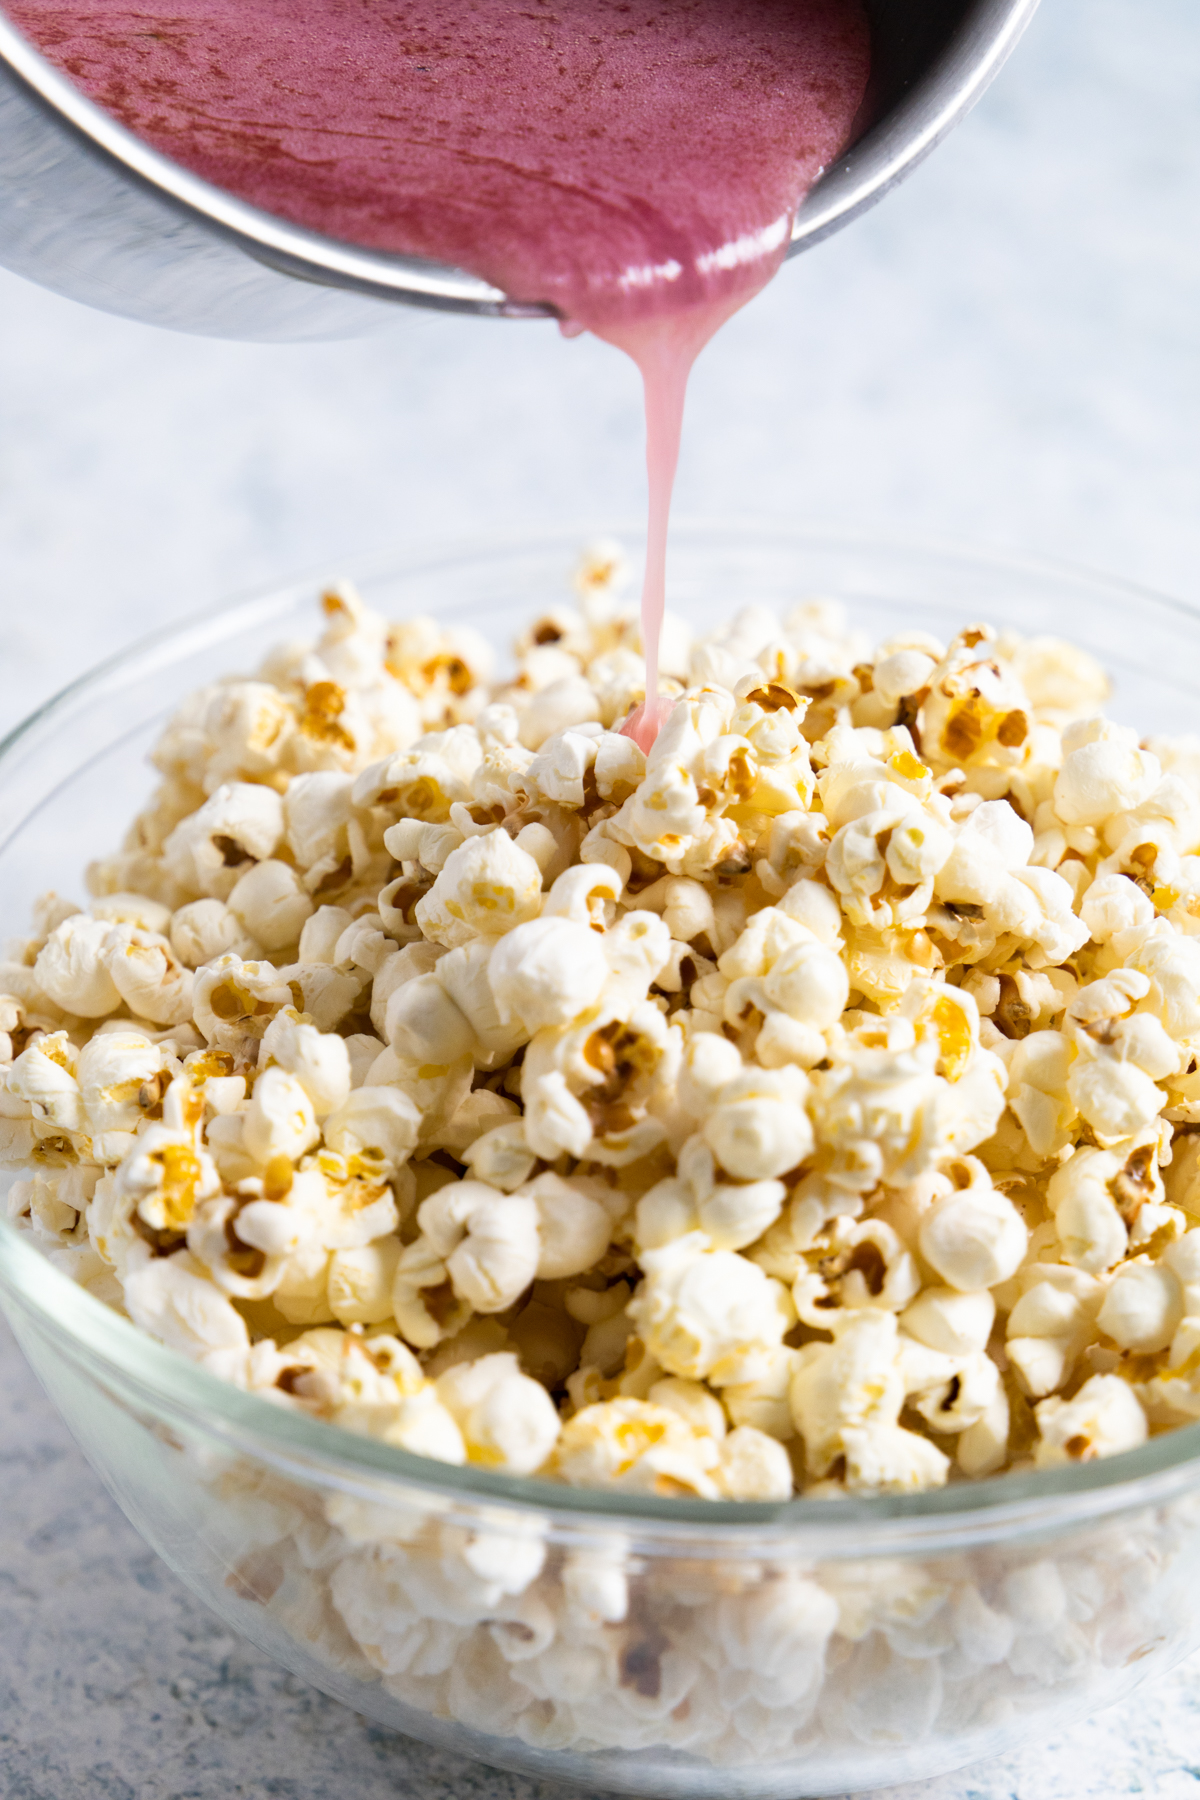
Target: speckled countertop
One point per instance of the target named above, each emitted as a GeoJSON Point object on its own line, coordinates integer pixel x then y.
{"type": "Point", "coordinates": [1007, 351]}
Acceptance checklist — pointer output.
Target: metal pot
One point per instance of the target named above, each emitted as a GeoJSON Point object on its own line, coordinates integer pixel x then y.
{"type": "Point", "coordinates": [92, 212]}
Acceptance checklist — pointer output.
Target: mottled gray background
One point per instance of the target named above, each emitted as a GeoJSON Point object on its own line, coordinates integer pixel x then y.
{"type": "Point", "coordinates": [1007, 351]}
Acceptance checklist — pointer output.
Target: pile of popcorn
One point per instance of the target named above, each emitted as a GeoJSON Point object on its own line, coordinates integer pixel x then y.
{"type": "Point", "coordinates": [808, 1106]}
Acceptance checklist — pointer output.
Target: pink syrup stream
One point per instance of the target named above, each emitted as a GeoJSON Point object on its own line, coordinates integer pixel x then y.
{"type": "Point", "coordinates": [665, 351]}
{"type": "Point", "coordinates": [634, 163]}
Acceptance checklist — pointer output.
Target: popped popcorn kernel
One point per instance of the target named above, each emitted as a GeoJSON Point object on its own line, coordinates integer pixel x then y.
{"type": "Point", "coordinates": [636, 1446]}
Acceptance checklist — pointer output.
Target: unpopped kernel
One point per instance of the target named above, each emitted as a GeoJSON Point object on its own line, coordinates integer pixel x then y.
{"type": "Point", "coordinates": [805, 1106]}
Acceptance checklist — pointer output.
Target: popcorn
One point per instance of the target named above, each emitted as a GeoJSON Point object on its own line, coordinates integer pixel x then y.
{"type": "Point", "coordinates": [950, 1320]}
{"type": "Point", "coordinates": [152, 1196]}
{"type": "Point", "coordinates": [764, 1401]}
{"type": "Point", "coordinates": [1062, 681]}
{"type": "Point", "coordinates": [982, 1448]}
{"type": "Point", "coordinates": [247, 725]}
{"type": "Point", "coordinates": [72, 968]}
{"type": "Point", "coordinates": [953, 1399]}
{"type": "Point", "coordinates": [1103, 1419]}
{"type": "Point", "coordinates": [1143, 1307]}
{"type": "Point", "coordinates": [637, 1447]}
{"type": "Point", "coordinates": [759, 1126]}
{"type": "Point", "coordinates": [561, 767]}
{"type": "Point", "coordinates": [1104, 772]}
{"type": "Point", "coordinates": [890, 1459]}
{"type": "Point", "coordinates": [555, 707]}
{"type": "Point", "coordinates": [1172, 965]}
{"type": "Point", "coordinates": [973, 1237]}
{"type": "Point", "coordinates": [55, 1203]}
{"type": "Point", "coordinates": [206, 929]}
{"type": "Point", "coordinates": [137, 910]}
{"type": "Point", "coordinates": [487, 886]}
{"type": "Point", "coordinates": [122, 1078]}
{"type": "Point", "coordinates": [1090, 1220]}
{"type": "Point", "coordinates": [325, 994]}
{"type": "Point", "coordinates": [172, 1299]}
{"type": "Point", "coordinates": [211, 849]}
{"type": "Point", "coordinates": [1115, 908]}
{"type": "Point", "coordinates": [779, 1632]}
{"type": "Point", "coordinates": [693, 1122]}
{"type": "Point", "coordinates": [502, 1157]}
{"type": "Point", "coordinates": [317, 814]}
{"type": "Point", "coordinates": [426, 1321]}
{"type": "Point", "coordinates": [636, 950]}
{"type": "Point", "coordinates": [374, 1124]}
{"type": "Point", "coordinates": [364, 943]}
{"type": "Point", "coordinates": [488, 1241]}
{"type": "Point", "coordinates": [361, 1280]}
{"type": "Point", "coordinates": [992, 843]}
{"type": "Point", "coordinates": [887, 885]}
{"type": "Point", "coordinates": [424, 781]}
{"type": "Point", "coordinates": [977, 715]}
{"type": "Point", "coordinates": [573, 1226]}
{"type": "Point", "coordinates": [244, 1242]}
{"type": "Point", "coordinates": [233, 1001]}
{"type": "Point", "coordinates": [810, 984]}
{"type": "Point", "coordinates": [471, 1119]}
{"type": "Point", "coordinates": [43, 1077]}
{"type": "Point", "coordinates": [1035, 906]}
{"type": "Point", "coordinates": [1039, 1072]}
{"type": "Point", "coordinates": [708, 1314]}
{"type": "Point", "coordinates": [856, 1265]}
{"type": "Point", "coordinates": [547, 972]}
{"type": "Point", "coordinates": [846, 1399]}
{"type": "Point", "coordinates": [754, 1467]}
{"type": "Point", "coordinates": [797, 846]}
{"type": "Point", "coordinates": [587, 1086]}
{"type": "Point", "coordinates": [586, 894]}
{"type": "Point", "coordinates": [903, 672]}
{"type": "Point", "coordinates": [279, 1120]}
{"type": "Point", "coordinates": [443, 667]}
{"type": "Point", "coordinates": [319, 1060]}
{"type": "Point", "coordinates": [877, 1109]}
{"type": "Point", "coordinates": [731, 1214]}
{"type": "Point", "coordinates": [1050, 1325]}
{"type": "Point", "coordinates": [271, 904]}
{"type": "Point", "coordinates": [425, 1025]}
{"type": "Point", "coordinates": [148, 976]}
{"type": "Point", "coordinates": [507, 1420]}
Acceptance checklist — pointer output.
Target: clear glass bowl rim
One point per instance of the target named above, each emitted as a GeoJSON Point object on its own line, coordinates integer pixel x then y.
{"type": "Point", "coordinates": [95, 1337]}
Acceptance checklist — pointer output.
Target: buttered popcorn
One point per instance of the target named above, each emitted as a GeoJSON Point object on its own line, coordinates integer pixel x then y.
{"type": "Point", "coordinates": [805, 1106]}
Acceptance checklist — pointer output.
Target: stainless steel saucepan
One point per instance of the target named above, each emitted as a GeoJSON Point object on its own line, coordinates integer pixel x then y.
{"type": "Point", "coordinates": [90, 211]}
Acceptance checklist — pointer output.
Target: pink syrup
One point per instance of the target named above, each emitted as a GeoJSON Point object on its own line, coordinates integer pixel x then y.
{"type": "Point", "coordinates": [665, 349]}
{"type": "Point", "coordinates": [635, 163]}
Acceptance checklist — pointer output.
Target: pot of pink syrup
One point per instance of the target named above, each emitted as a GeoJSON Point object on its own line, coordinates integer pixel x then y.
{"type": "Point", "coordinates": [93, 211]}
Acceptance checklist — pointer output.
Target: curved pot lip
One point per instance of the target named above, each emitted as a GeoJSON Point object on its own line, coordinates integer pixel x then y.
{"type": "Point", "coordinates": [104, 1343]}
{"type": "Point", "coordinates": [890, 151]}
{"type": "Point", "coordinates": [909, 132]}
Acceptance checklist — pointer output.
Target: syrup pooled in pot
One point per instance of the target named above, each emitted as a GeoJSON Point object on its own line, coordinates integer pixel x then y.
{"type": "Point", "coordinates": [635, 163]}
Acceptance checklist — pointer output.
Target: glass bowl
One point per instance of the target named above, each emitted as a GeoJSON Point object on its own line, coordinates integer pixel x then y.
{"type": "Point", "coordinates": [642, 1646]}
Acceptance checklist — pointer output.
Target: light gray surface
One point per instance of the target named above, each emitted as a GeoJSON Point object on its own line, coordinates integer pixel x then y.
{"type": "Point", "coordinates": [1007, 351]}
